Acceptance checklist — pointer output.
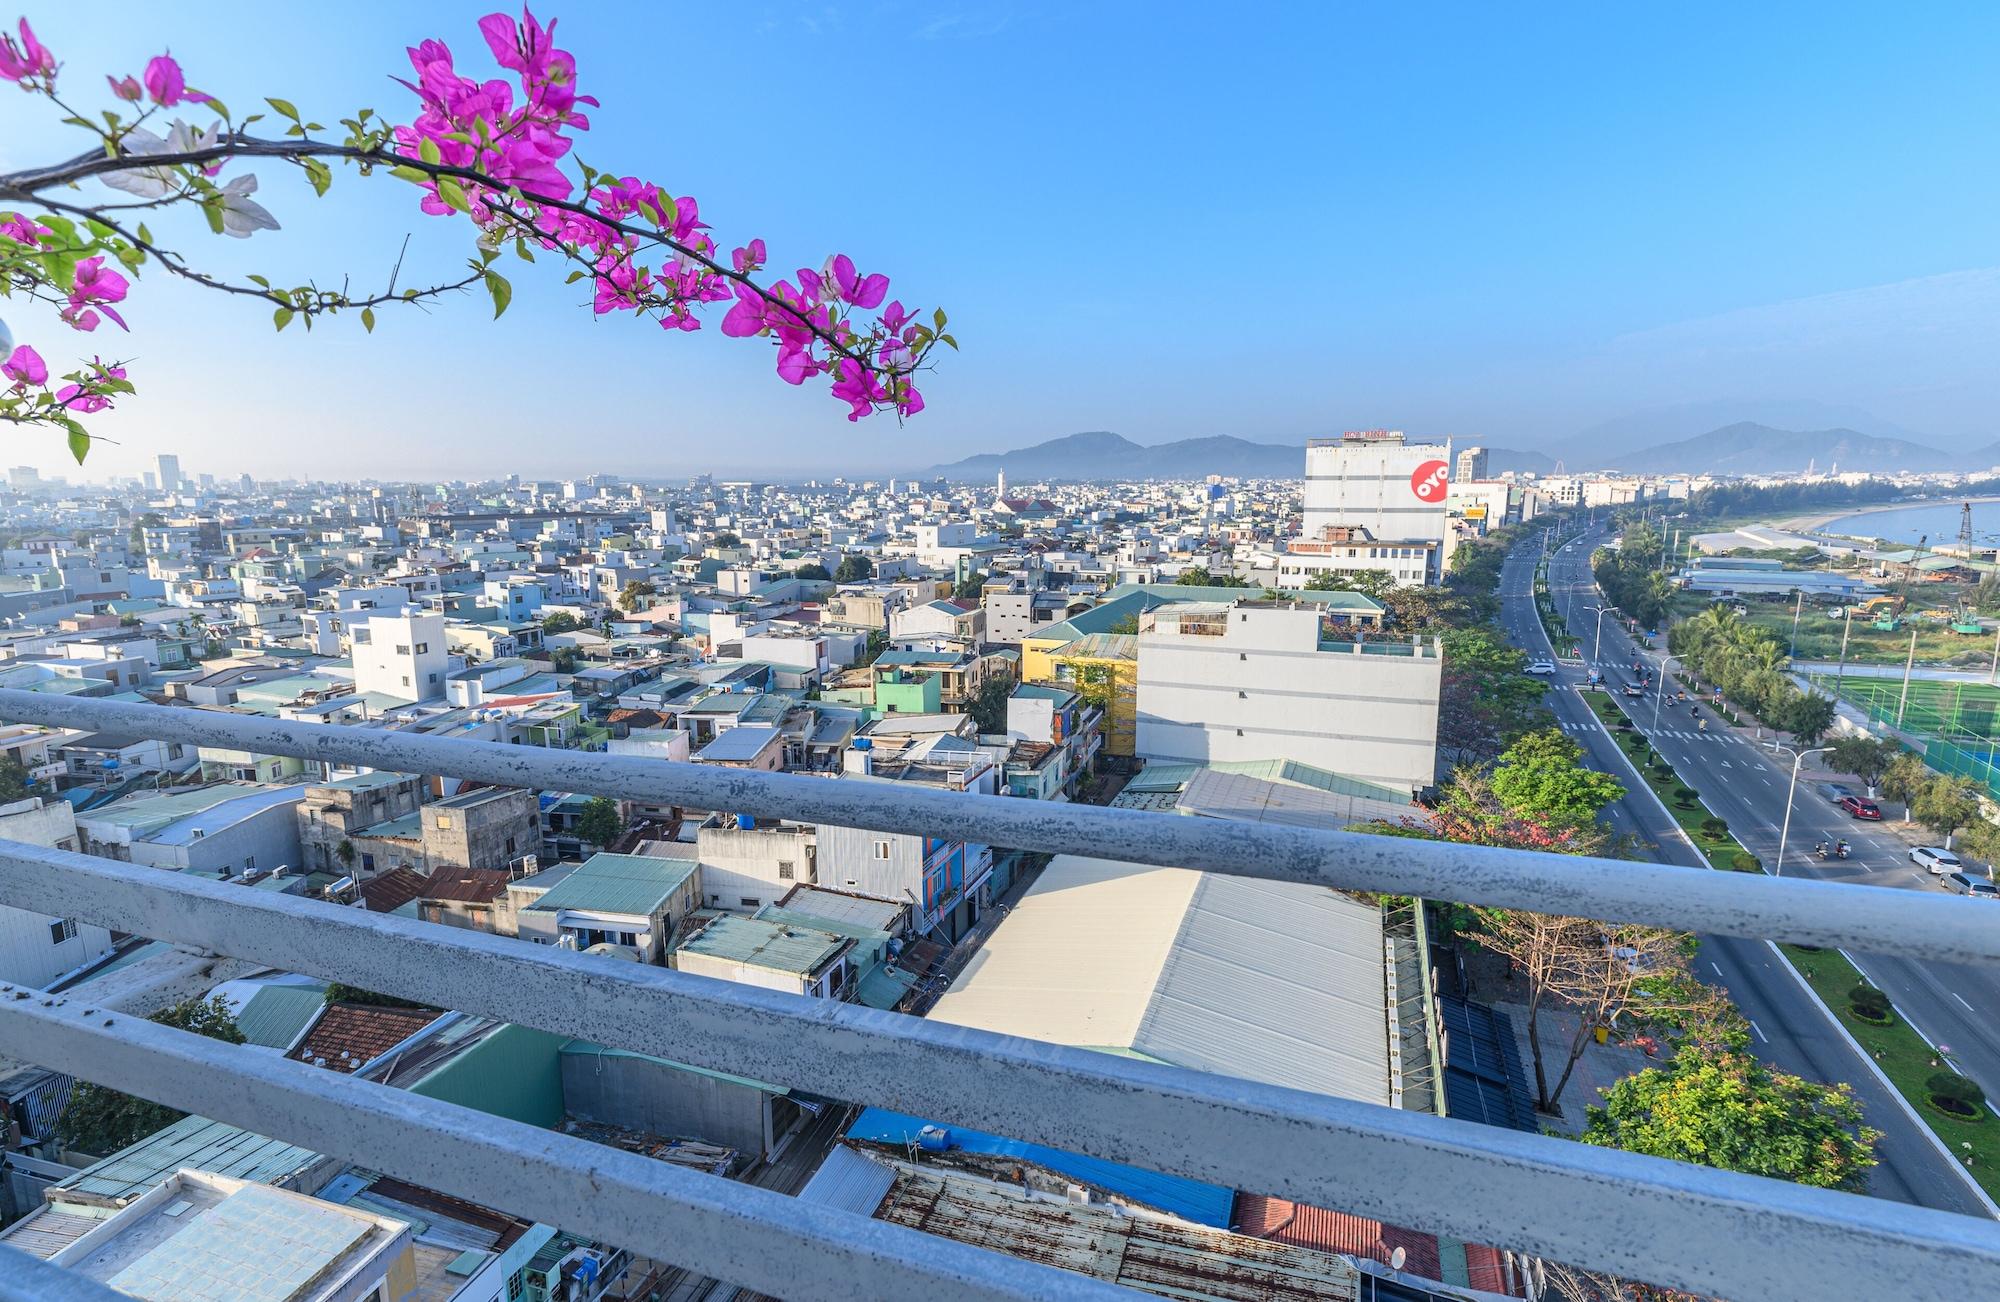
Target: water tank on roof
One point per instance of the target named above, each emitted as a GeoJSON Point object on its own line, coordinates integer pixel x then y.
{"type": "Point", "coordinates": [864, 743]}
{"type": "Point", "coordinates": [934, 1139]}
{"type": "Point", "coordinates": [746, 822]}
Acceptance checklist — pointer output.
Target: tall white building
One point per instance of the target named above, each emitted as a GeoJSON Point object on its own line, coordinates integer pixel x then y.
{"type": "Point", "coordinates": [1378, 481]}
{"type": "Point", "coordinates": [35, 948]}
{"type": "Point", "coordinates": [401, 655]}
{"type": "Point", "coordinates": [1266, 680]}
{"type": "Point", "coordinates": [170, 472]}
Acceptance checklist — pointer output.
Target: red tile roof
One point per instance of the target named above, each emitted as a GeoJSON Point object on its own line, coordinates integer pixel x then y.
{"type": "Point", "coordinates": [348, 1035]}
{"type": "Point", "coordinates": [470, 885]}
{"type": "Point", "coordinates": [392, 890]}
{"type": "Point", "coordinates": [1330, 1231]}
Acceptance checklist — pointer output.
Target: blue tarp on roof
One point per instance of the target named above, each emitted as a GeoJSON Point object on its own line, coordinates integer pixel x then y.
{"type": "Point", "coordinates": [1204, 1204]}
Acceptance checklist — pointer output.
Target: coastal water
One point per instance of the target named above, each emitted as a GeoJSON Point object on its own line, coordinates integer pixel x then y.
{"type": "Point", "coordinates": [1938, 520]}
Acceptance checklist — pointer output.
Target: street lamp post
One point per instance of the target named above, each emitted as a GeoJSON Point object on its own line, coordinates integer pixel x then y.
{"type": "Point", "coordinates": [1662, 690]}
{"type": "Point", "coordinates": [1798, 758]}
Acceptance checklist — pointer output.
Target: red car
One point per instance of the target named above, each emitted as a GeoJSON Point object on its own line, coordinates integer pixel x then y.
{"type": "Point", "coordinates": [1862, 809]}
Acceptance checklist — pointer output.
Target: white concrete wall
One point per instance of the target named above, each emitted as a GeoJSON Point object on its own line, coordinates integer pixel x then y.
{"type": "Point", "coordinates": [1250, 696]}
{"type": "Point", "coordinates": [32, 952]}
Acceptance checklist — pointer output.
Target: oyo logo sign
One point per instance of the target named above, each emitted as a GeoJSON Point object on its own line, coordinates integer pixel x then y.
{"type": "Point", "coordinates": [1430, 480]}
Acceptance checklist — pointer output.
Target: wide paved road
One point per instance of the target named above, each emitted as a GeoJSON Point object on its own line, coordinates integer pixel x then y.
{"type": "Point", "coordinates": [1788, 1029]}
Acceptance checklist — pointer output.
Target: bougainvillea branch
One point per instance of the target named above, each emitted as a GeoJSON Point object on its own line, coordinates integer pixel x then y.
{"type": "Point", "coordinates": [496, 153]}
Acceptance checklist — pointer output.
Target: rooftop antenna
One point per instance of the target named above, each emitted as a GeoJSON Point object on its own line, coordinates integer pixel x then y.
{"type": "Point", "coordinates": [1965, 528]}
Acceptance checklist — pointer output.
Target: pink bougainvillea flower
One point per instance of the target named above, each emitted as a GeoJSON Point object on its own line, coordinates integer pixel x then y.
{"type": "Point", "coordinates": [846, 285]}
{"type": "Point", "coordinates": [74, 397]}
{"type": "Point", "coordinates": [165, 83]}
{"type": "Point", "coordinates": [19, 228]}
{"type": "Point", "coordinates": [25, 367]}
{"type": "Point", "coordinates": [749, 259]}
{"type": "Point", "coordinates": [126, 88]}
{"type": "Point", "coordinates": [95, 286]}
{"type": "Point", "coordinates": [27, 60]}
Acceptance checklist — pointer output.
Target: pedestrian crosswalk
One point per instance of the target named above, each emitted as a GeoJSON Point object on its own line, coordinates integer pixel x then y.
{"type": "Point", "coordinates": [1583, 728]}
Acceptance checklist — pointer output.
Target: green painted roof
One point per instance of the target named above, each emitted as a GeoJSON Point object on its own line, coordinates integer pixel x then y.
{"type": "Point", "coordinates": [274, 1016]}
{"type": "Point", "coordinates": [619, 883]}
{"type": "Point", "coordinates": [1172, 777]}
{"type": "Point", "coordinates": [596, 1050]}
{"type": "Point", "coordinates": [191, 1141]}
{"type": "Point", "coordinates": [780, 947]}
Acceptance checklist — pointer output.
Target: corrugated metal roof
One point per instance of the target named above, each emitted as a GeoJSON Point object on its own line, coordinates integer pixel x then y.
{"type": "Point", "coordinates": [1238, 796]}
{"type": "Point", "coordinates": [839, 906]}
{"type": "Point", "coordinates": [274, 1016]}
{"type": "Point", "coordinates": [1275, 982]}
{"type": "Point", "coordinates": [1269, 981]}
{"type": "Point", "coordinates": [739, 744]}
{"type": "Point", "coordinates": [192, 1141]}
{"type": "Point", "coordinates": [1280, 1221]}
{"type": "Point", "coordinates": [256, 1245]}
{"type": "Point", "coordinates": [1152, 1254]}
{"type": "Point", "coordinates": [849, 1181]}
{"type": "Point", "coordinates": [1191, 1200]}
{"type": "Point", "coordinates": [632, 884]}
{"type": "Point", "coordinates": [755, 942]}
{"type": "Point", "coordinates": [1484, 1078]}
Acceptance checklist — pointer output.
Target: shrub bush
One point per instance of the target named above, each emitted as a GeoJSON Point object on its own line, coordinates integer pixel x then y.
{"type": "Point", "coordinates": [1714, 828]}
{"type": "Point", "coordinates": [1685, 797]}
{"type": "Point", "coordinates": [1868, 1003]}
{"type": "Point", "coordinates": [1953, 1093]}
{"type": "Point", "coordinates": [1744, 862]}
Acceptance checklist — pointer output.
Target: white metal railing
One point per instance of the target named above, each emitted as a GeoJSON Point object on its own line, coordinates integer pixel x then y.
{"type": "Point", "coordinates": [1709, 1231]}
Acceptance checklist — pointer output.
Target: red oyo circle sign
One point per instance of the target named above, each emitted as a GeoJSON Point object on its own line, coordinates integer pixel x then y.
{"type": "Point", "coordinates": [1430, 480]}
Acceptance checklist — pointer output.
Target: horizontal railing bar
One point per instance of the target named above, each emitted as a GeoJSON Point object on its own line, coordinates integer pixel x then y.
{"type": "Point", "coordinates": [1868, 918]}
{"type": "Point", "coordinates": [722, 1228]}
{"type": "Point", "coordinates": [27, 1278]}
{"type": "Point", "coordinates": [1738, 1236]}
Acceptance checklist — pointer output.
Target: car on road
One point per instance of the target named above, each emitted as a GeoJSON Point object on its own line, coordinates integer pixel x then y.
{"type": "Point", "coordinates": [1961, 884]}
{"type": "Point", "coordinates": [1834, 792]}
{"type": "Point", "coordinates": [1865, 810]}
{"type": "Point", "coordinates": [1635, 689]}
{"type": "Point", "coordinates": [1542, 667]}
{"type": "Point", "coordinates": [1936, 858]}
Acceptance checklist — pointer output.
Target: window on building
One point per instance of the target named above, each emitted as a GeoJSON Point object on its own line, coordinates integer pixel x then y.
{"type": "Point", "coordinates": [423, 648]}
{"type": "Point", "coordinates": [368, 863]}
{"type": "Point", "coordinates": [748, 901]}
{"type": "Point", "coordinates": [249, 863]}
{"type": "Point", "coordinates": [784, 872]}
{"type": "Point", "coordinates": [444, 823]}
{"type": "Point", "coordinates": [510, 845]}
{"type": "Point", "coordinates": [406, 680]}
{"type": "Point", "coordinates": [402, 650]}
{"type": "Point", "coordinates": [61, 929]}
{"type": "Point", "coordinates": [881, 849]}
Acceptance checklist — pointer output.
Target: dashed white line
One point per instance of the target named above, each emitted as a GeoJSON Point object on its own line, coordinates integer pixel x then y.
{"type": "Point", "coordinates": [1716, 970]}
{"type": "Point", "coordinates": [1760, 1031]}
{"type": "Point", "coordinates": [1961, 999]}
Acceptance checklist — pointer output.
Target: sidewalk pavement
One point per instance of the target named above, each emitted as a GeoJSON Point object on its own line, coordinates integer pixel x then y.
{"type": "Point", "coordinates": [1601, 1066]}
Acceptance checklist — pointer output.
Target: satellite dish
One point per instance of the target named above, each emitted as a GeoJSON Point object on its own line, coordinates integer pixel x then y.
{"type": "Point", "coordinates": [1398, 1257]}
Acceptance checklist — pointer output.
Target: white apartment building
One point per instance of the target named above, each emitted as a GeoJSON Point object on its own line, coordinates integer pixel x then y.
{"type": "Point", "coordinates": [1253, 680]}
{"type": "Point", "coordinates": [1378, 481]}
{"type": "Point", "coordinates": [35, 948]}
{"type": "Point", "coordinates": [401, 655]}
{"type": "Point", "coordinates": [1345, 550]}
{"type": "Point", "coordinates": [747, 864]}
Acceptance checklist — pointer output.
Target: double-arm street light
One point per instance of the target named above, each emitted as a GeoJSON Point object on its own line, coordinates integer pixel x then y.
{"type": "Point", "coordinates": [1662, 691]}
{"type": "Point", "coordinates": [1798, 758]}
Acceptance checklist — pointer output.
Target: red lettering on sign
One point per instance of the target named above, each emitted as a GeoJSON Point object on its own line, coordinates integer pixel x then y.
{"type": "Point", "coordinates": [1430, 480]}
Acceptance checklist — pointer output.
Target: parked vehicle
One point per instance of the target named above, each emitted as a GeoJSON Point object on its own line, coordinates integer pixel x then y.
{"type": "Point", "coordinates": [1961, 884]}
{"type": "Point", "coordinates": [1936, 858]}
{"type": "Point", "coordinates": [1865, 810]}
{"type": "Point", "coordinates": [1834, 792]}
{"type": "Point", "coordinates": [1542, 667]}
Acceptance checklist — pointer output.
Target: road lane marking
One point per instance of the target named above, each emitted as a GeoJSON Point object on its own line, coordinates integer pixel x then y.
{"type": "Point", "coordinates": [1760, 1031]}
{"type": "Point", "coordinates": [1716, 970]}
{"type": "Point", "coordinates": [1961, 999]}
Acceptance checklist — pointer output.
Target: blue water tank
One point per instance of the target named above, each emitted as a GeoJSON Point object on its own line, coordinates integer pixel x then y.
{"type": "Point", "coordinates": [934, 1139]}
{"type": "Point", "coordinates": [746, 822]}
{"type": "Point", "coordinates": [864, 743]}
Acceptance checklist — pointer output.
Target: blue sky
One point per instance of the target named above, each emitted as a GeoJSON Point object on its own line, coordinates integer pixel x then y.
{"type": "Point", "coordinates": [1503, 222]}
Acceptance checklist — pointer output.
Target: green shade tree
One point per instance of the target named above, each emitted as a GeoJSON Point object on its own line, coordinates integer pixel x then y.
{"type": "Point", "coordinates": [1902, 778]}
{"type": "Point", "coordinates": [1808, 715]}
{"type": "Point", "coordinates": [101, 1120]}
{"type": "Point", "coordinates": [1542, 777]}
{"type": "Point", "coordinates": [813, 570]}
{"type": "Point", "coordinates": [561, 621]}
{"type": "Point", "coordinates": [989, 704]}
{"type": "Point", "coordinates": [1945, 803]}
{"type": "Point", "coordinates": [14, 780]}
{"type": "Point", "coordinates": [1864, 757]}
{"type": "Point", "coordinates": [601, 823]}
{"type": "Point", "coordinates": [635, 592]}
{"type": "Point", "coordinates": [1732, 1111]}
{"type": "Point", "coordinates": [854, 569]}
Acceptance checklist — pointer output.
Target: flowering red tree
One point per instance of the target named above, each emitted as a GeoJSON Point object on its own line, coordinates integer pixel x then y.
{"type": "Point", "coordinates": [494, 153]}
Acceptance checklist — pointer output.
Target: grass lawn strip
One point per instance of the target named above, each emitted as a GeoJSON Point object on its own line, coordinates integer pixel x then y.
{"type": "Point", "coordinates": [1904, 1057]}
{"type": "Point", "coordinates": [1719, 853]}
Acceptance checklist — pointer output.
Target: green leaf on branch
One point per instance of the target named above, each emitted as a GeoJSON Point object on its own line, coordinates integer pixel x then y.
{"type": "Point", "coordinates": [427, 149]}
{"type": "Point", "coordinates": [283, 106]}
{"type": "Point", "coordinates": [79, 441]}
{"type": "Point", "coordinates": [368, 319]}
{"type": "Point", "coordinates": [145, 236]}
{"type": "Point", "coordinates": [453, 193]}
{"type": "Point", "coordinates": [410, 174]}
{"type": "Point", "coordinates": [503, 293]}
{"type": "Point", "coordinates": [259, 280]}
{"type": "Point", "coordinates": [213, 211]}
{"type": "Point", "coordinates": [283, 317]}
{"type": "Point", "coordinates": [319, 174]}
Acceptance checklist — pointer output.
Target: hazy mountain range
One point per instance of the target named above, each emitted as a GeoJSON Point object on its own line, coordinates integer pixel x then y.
{"type": "Point", "coordinates": [1656, 444]}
